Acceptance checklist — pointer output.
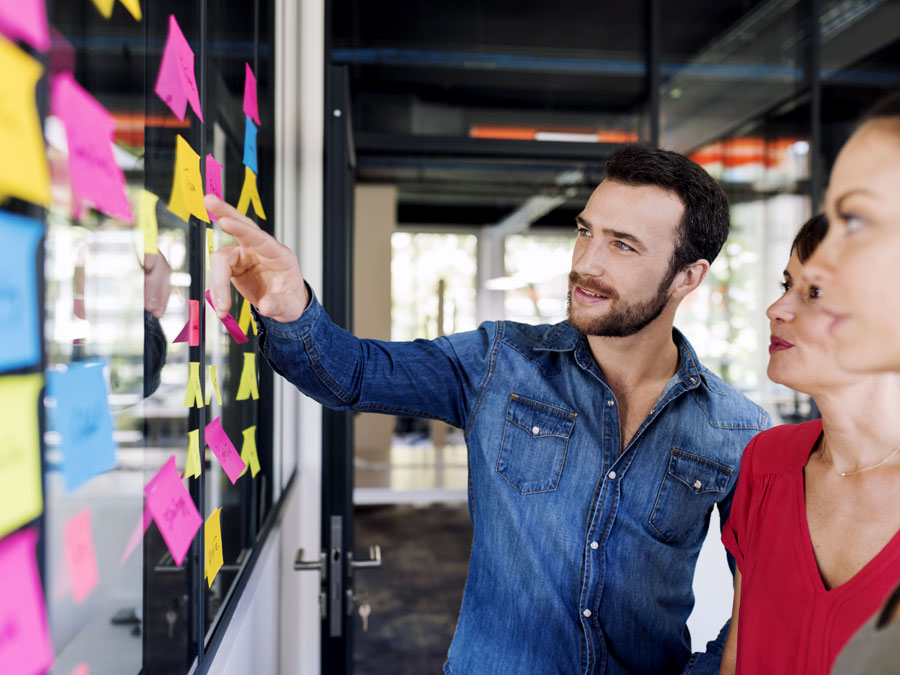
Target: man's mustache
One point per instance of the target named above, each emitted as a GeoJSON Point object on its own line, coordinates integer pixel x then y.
{"type": "Point", "coordinates": [576, 279]}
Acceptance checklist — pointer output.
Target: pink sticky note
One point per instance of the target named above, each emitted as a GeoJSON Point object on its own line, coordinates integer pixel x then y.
{"type": "Point", "coordinates": [176, 83]}
{"type": "Point", "coordinates": [81, 557]}
{"type": "Point", "coordinates": [25, 21]}
{"type": "Point", "coordinates": [25, 645]}
{"type": "Point", "coordinates": [140, 529]}
{"type": "Point", "coordinates": [94, 174]}
{"type": "Point", "coordinates": [213, 180]}
{"type": "Point", "coordinates": [251, 104]}
{"type": "Point", "coordinates": [230, 324]}
{"type": "Point", "coordinates": [191, 331]}
{"type": "Point", "coordinates": [81, 669]}
{"type": "Point", "coordinates": [173, 510]}
{"type": "Point", "coordinates": [224, 450]}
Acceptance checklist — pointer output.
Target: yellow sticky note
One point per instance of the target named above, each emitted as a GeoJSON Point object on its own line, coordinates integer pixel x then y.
{"type": "Point", "coordinates": [212, 537]}
{"type": "Point", "coordinates": [214, 380]}
{"type": "Point", "coordinates": [249, 192]}
{"type": "Point", "coordinates": [210, 244]}
{"type": "Point", "coordinates": [187, 185]}
{"type": "Point", "coordinates": [106, 7]}
{"type": "Point", "coordinates": [246, 320]}
{"type": "Point", "coordinates": [133, 6]}
{"type": "Point", "coordinates": [248, 452]}
{"type": "Point", "coordinates": [247, 387]}
{"type": "Point", "coordinates": [23, 160]}
{"type": "Point", "coordinates": [146, 220]}
{"type": "Point", "coordinates": [20, 457]}
{"type": "Point", "coordinates": [193, 396]}
{"type": "Point", "coordinates": [193, 467]}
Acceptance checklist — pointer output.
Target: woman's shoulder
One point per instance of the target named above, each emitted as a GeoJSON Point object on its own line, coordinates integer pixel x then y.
{"type": "Point", "coordinates": [782, 449]}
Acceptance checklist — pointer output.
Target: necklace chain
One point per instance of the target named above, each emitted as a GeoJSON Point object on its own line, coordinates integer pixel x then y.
{"type": "Point", "coordinates": [844, 474]}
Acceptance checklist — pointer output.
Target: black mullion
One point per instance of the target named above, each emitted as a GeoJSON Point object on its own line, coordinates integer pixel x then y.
{"type": "Point", "coordinates": [814, 80]}
{"type": "Point", "coordinates": [653, 78]}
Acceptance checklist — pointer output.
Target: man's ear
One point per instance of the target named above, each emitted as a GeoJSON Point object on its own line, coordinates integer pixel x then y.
{"type": "Point", "coordinates": [687, 280]}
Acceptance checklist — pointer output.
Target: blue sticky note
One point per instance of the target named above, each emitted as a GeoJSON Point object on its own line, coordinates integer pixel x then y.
{"type": "Point", "coordinates": [79, 412]}
{"type": "Point", "coordinates": [20, 338]}
{"type": "Point", "coordinates": [250, 160]}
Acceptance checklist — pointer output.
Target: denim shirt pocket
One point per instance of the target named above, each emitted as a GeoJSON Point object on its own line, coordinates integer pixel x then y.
{"type": "Point", "coordinates": [535, 440]}
{"type": "Point", "coordinates": [689, 489]}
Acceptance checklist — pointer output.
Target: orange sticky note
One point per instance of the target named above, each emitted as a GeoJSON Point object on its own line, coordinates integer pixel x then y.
{"type": "Point", "coordinates": [212, 537]}
{"type": "Point", "coordinates": [250, 193]}
{"type": "Point", "coordinates": [186, 199]}
{"type": "Point", "coordinates": [247, 386]}
{"type": "Point", "coordinates": [248, 452]}
{"type": "Point", "coordinates": [81, 558]}
{"type": "Point", "coordinates": [193, 396]}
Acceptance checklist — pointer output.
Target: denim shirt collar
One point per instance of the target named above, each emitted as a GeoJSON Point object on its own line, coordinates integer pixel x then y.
{"type": "Point", "coordinates": [563, 337]}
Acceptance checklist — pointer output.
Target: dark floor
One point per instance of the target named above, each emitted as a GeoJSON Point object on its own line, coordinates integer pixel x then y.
{"type": "Point", "coordinates": [416, 594]}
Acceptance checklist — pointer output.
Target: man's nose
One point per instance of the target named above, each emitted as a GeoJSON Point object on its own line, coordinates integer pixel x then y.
{"type": "Point", "coordinates": [588, 260]}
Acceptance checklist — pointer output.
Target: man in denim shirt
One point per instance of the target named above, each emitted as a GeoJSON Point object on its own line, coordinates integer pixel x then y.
{"type": "Point", "coordinates": [597, 446]}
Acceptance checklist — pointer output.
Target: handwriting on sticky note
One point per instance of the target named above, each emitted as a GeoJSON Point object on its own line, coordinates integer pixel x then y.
{"type": "Point", "coordinates": [230, 324]}
{"type": "Point", "coordinates": [251, 103]}
{"type": "Point", "coordinates": [173, 510]}
{"type": "Point", "coordinates": [213, 545]}
{"type": "Point", "coordinates": [176, 83]}
{"type": "Point", "coordinates": [214, 381]}
{"type": "Point", "coordinates": [250, 160]}
{"type": "Point", "coordinates": [19, 321]}
{"type": "Point", "coordinates": [250, 193]}
{"type": "Point", "coordinates": [26, 20]}
{"type": "Point", "coordinates": [246, 320]}
{"type": "Point", "coordinates": [214, 180]}
{"type": "Point", "coordinates": [20, 458]}
{"type": "Point", "coordinates": [187, 194]}
{"type": "Point", "coordinates": [248, 386]}
{"type": "Point", "coordinates": [249, 453]}
{"type": "Point", "coordinates": [94, 174]}
{"type": "Point", "coordinates": [83, 420]}
{"type": "Point", "coordinates": [224, 450]}
{"type": "Point", "coordinates": [137, 534]}
{"type": "Point", "coordinates": [81, 558]}
{"type": "Point", "coordinates": [25, 645]}
{"type": "Point", "coordinates": [191, 331]}
{"type": "Point", "coordinates": [23, 159]}
{"type": "Point", "coordinates": [193, 395]}
{"type": "Point", "coordinates": [193, 466]}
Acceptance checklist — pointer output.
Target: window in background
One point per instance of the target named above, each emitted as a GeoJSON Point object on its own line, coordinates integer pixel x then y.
{"type": "Point", "coordinates": [536, 285]}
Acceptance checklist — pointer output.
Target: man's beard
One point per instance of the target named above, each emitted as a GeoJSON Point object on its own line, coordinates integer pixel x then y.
{"type": "Point", "coordinates": [622, 319]}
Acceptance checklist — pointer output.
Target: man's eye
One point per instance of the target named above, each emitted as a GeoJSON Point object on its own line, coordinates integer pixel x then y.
{"type": "Point", "coordinates": [622, 246]}
{"type": "Point", "coordinates": [581, 232]}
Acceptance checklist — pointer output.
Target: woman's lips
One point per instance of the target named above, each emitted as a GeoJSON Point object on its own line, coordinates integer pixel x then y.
{"type": "Point", "coordinates": [776, 344]}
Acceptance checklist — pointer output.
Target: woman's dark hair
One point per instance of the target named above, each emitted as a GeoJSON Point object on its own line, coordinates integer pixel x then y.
{"type": "Point", "coordinates": [809, 237]}
{"type": "Point", "coordinates": [704, 227]}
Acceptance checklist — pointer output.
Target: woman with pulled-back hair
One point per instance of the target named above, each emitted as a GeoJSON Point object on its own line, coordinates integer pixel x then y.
{"type": "Point", "coordinates": [857, 266]}
{"type": "Point", "coordinates": [816, 549]}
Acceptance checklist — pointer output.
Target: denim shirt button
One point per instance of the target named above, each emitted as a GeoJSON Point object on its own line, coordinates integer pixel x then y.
{"type": "Point", "coordinates": [535, 430]}
{"type": "Point", "coordinates": [595, 545]}
{"type": "Point", "coordinates": [611, 475]}
{"type": "Point", "coordinates": [698, 484]}
{"type": "Point", "coordinates": [610, 402]}
{"type": "Point", "coordinates": [587, 613]}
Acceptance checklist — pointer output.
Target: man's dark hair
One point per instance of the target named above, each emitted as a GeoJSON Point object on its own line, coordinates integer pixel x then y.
{"type": "Point", "coordinates": [809, 237]}
{"type": "Point", "coordinates": [704, 227]}
{"type": "Point", "coordinates": [889, 106]}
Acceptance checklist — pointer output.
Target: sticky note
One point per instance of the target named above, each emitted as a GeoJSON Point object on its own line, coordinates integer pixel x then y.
{"type": "Point", "coordinates": [210, 245]}
{"type": "Point", "coordinates": [23, 159]}
{"type": "Point", "coordinates": [191, 331]}
{"type": "Point", "coordinates": [20, 456]}
{"type": "Point", "coordinates": [19, 322]}
{"type": "Point", "coordinates": [147, 221]}
{"type": "Point", "coordinates": [230, 324]}
{"type": "Point", "coordinates": [193, 467]}
{"type": "Point", "coordinates": [193, 396]}
{"type": "Point", "coordinates": [81, 669]}
{"type": "Point", "coordinates": [81, 558]}
{"type": "Point", "coordinates": [212, 539]}
{"type": "Point", "coordinates": [137, 534]}
{"type": "Point", "coordinates": [187, 193]}
{"type": "Point", "coordinates": [173, 510]}
{"type": "Point", "coordinates": [250, 193]}
{"type": "Point", "coordinates": [248, 451]}
{"type": "Point", "coordinates": [214, 379]}
{"type": "Point", "coordinates": [176, 84]}
{"type": "Point", "coordinates": [213, 180]}
{"type": "Point", "coordinates": [93, 172]}
{"type": "Point", "coordinates": [106, 7]}
{"type": "Point", "coordinates": [224, 450]}
{"type": "Point", "coordinates": [133, 6]}
{"type": "Point", "coordinates": [251, 104]}
{"type": "Point", "coordinates": [82, 418]}
{"type": "Point", "coordinates": [246, 320]}
{"type": "Point", "coordinates": [27, 20]}
{"type": "Point", "coordinates": [250, 160]}
{"type": "Point", "coordinates": [25, 645]}
{"type": "Point", "coordinates": [247, 386]}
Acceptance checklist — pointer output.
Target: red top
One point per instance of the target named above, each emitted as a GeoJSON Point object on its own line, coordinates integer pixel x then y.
{"type": "Point", "coordinates": [789, 622]}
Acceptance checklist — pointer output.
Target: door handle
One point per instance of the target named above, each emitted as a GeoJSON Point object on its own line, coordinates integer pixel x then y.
{"type": "Point", "coordinates": [318, 565]}
{"type": "Point", "coordinates": [373, 561]}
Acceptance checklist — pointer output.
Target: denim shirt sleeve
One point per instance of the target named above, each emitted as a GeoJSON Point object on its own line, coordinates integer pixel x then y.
{"type": "Point", "coordinates": [439, 379]}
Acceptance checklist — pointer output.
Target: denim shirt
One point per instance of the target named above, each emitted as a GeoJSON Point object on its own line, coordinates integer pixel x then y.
{"type": "Point", "coordinates": [583, 556]}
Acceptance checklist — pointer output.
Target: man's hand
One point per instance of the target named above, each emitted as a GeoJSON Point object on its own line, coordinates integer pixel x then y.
{"type": "Point", "coordinates": [263, 270]}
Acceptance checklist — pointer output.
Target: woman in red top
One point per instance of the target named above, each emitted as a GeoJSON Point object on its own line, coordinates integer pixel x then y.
{"type": "Point", "coordinates": [815, 518]}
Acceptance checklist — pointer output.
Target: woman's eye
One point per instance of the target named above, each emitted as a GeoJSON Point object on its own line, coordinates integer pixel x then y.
{"type": "Point", "coordinates": [815, 292]}
{"type": "Point", "coordinates": [852, 222]}
{"type": "Point", "coordinates": [785, 286]}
